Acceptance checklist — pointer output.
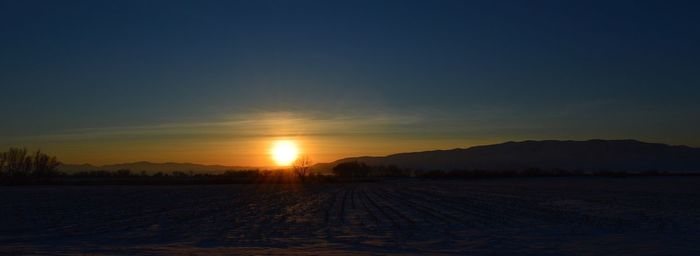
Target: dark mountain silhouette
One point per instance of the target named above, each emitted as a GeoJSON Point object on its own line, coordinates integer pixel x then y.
{"type": "Point", "coordinates": [151, 167]}
{"type": "Point", "coordinates": [591, 155]}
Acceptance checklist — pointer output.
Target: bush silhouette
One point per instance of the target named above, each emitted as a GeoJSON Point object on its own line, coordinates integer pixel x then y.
{"type": "Point", "coordinates": [351, 170]}
{"type": "Point", "coordinates": [17, 162]}
{"type": "Point", "coordinates": [302, 166]}
{"type": "Point", "coordinates": [44, 165]}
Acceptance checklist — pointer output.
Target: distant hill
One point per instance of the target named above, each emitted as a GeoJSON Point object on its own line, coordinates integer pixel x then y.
{"type": "Point", "coordinates": [591, 155]}
{"type": "Point", "coordinates": [151, 167]}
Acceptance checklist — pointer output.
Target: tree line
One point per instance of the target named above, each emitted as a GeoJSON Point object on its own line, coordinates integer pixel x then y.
{"type": "Point", "coordinates": [19, 162]}
{"type": "Point", "coordinates": [20, 166]}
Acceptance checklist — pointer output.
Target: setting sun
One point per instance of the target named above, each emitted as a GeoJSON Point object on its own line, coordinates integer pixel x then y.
{"type": "Point", "coordinates": [284, 152]}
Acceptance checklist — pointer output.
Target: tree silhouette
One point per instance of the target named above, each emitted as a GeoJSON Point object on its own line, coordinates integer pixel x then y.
{"type": "Point", "coordinates": [16, 162]}
{"type": "Point", "coordinates": [302, 166]}
{"type": "Point", "coordinates": [351, 169]}
{"type": "Point", "coordinates": [44, 165]}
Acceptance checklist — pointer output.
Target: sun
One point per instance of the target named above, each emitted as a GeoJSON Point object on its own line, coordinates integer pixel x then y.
{"type": "Point", "coordinates": [284, 152]}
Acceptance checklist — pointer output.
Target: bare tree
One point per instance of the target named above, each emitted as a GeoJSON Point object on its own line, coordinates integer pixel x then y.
{"type": "Point", "coordinates": [302, 166]}
{"type": "Point", "coordinates": [17, 162]}
{"type": "Point", "coordinates": [44, 165]}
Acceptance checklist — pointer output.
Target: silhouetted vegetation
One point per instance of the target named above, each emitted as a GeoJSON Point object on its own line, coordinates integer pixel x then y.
{"type": "Point", "coordinates": [17, 165]}
{"type": "Point", "coordinates": [391, 171]}
{"type": "Point", "coordinates": [129, 177]}
{"type": "Point", "coordinates": [352, 170]}
{"type": "Point", "coordinates": [355, 169]}
{"type": "Point", "coordinates": [302, 167]}
{"type": "Point", "coordinates": [536, 172]}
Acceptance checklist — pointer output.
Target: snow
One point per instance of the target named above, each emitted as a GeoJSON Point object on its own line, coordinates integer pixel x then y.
{"type": "Point", "coordinates": [525, 216]}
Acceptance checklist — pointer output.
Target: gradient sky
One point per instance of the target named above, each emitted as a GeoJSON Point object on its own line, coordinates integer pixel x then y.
{"type": "Point", "coordinates": [218, 81]}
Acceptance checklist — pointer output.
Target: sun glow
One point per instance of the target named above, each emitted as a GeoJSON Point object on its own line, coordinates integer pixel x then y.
{"type": "Point", "coordinates": [284, 152]}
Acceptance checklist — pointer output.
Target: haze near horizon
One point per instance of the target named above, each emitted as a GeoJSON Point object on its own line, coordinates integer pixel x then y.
{"type": "Point", "coordinates": [221, 82]}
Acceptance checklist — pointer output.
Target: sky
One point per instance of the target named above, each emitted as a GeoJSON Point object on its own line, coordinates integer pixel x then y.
{"type": "Point", "coordinates": [217, 82]}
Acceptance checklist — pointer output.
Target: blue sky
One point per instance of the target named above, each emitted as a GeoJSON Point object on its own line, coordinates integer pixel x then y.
{"type": "Point", "coordinates": [86, 79]}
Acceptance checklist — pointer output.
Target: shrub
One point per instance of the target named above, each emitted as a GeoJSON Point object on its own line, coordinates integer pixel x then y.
{"type": "Point", "coordinates": [17, 162]}
{"type": "Point", "coordinates": [351, 169]}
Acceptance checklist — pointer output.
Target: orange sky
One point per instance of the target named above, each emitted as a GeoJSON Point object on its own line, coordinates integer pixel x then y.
{"type": "Point", "coordinates": [243, 141]}
{"type": "Point", "coordinates": [246, 140]}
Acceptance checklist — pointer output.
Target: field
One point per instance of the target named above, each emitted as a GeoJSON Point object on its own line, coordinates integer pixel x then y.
{"type": "Point", "coordinates": [527, 216]}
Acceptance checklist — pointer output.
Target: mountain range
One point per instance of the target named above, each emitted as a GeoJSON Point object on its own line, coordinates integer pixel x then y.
{"type": "Point", "coordinates": [590, 155]}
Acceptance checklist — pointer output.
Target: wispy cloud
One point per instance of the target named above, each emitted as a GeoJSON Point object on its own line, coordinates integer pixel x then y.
{"type": "Point", "coordinates": [240, 139]}
{"type": "Point", "coordinates": [269, 124]}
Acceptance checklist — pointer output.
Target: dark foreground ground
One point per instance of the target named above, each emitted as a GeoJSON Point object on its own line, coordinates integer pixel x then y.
{"type": "Point", "coordinates": [524, 216]}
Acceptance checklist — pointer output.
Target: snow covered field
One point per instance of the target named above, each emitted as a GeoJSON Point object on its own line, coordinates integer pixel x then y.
{"type": "Point", "coordinates": [527, 216]}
